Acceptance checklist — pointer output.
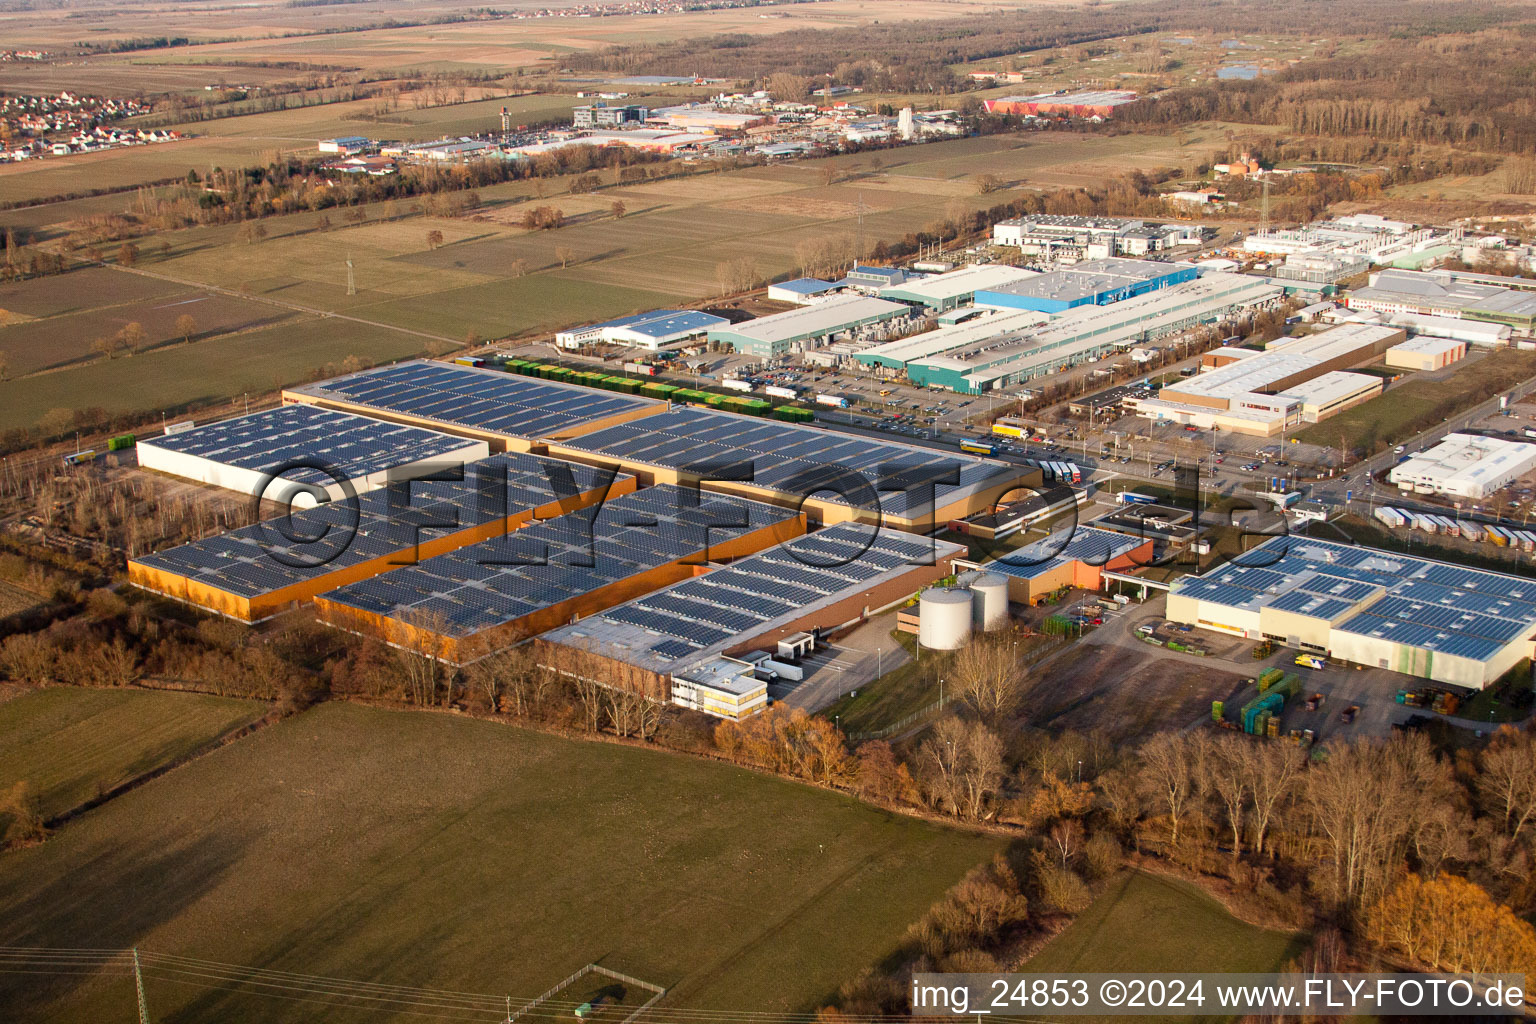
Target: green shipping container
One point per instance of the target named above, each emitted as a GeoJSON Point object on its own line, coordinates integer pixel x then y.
{"type": "Point", "coordinates": [120, 442]}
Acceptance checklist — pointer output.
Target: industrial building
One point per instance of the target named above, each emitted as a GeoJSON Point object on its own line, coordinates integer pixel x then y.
{"type": "Point", "coordinates": [943, 292]}
{"type": "Point", "coordinates": [261, 570]}
{"type": "Point", "coordinates": [1424, 618]}
{"type": "Point", "coordinates": [320, 454]}
{"type": "Point", "coordinates": [1295, 380]}
{"type": "Point", "coordinates": [1471, 466]}
{"type": "Point", "coordinates": [699, 117]}
{"type": "Point", "coordinates": [1074, 556]}
{"type": "Point", "coordinates": [1089, 332]}
{"type": "Point", "coordinates": [511, 413]}
{"type": "Point", "coordinates": [1058, 236]}
{"type": "Point", "coordinates": [802, 291]}
{"type": "Point", "coordinates": [1442, 294]}
{"type": "Point", "coordinates": [1426, 352]}
{"type": "Point", "coordinates": [1091, 103]}
{"type": "Point", "coordinates": [1376, 239]}
{"type": "Point", "coordinates": [833, 477]}
{"type": "Point", "coordinates": [989, 326]}
{"type": "Point", "coordinates": [600, 115]}
{"type": "Point", "coordinates": [696, 642]}
{"type": "Point", "coordinates": [798, 330]}
{"type": "Point", "coordinates": [1472, 332]}
{"type": "Point", "coordinates": [654, 331]}
{"type": "Point", "coordinates": [1317, 273]}
{"type": "Point", "coordinates": [470, 602]}
{"type": "Point", "coordinates": [1010, 518]}
{"type": "Point", "coordinates": [1095, 283]}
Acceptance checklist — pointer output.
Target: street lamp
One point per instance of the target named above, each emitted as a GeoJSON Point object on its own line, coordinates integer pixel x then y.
{"type": "Point", "coordinates": [879, 663]}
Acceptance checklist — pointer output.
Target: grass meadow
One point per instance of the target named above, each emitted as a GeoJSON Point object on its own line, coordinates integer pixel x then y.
{"type": "Point", "coordinates": [429, 850]}
{"type": "Point", "coordinates": [71, 743]}
{"type": "Point", "coordinates": [1145, 923]}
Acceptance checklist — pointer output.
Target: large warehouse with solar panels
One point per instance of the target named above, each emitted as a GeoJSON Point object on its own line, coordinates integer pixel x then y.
{"type": "Point", "coordinates": [510, 412]}
{"type": "Point", "coordinates": [678, 643]}
{"type": "Point", "coordinates": [834, 477]}
{"type": "Point", "coordinates": [244, 453]}
{"type": "Point", "coordinates": [590, 500]}
{"type": "Point", "coordinates": [478, 599]}
{"type": "Point", "coordinates": [1425, 618]}
{"type": "Point", "coordinates": [261, 570]}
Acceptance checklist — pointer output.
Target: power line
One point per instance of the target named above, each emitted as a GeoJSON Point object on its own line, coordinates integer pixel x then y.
{"type": "Point", "coordinates": [144, 965]}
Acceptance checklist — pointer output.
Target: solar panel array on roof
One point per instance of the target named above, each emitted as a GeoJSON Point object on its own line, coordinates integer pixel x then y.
{"type": "Point", "coordinates": [486, 585]}
{"type": "Point", "coordinates": [1450, 609]}
{"type": "Point", "coordinates": [259, 559]}
{"type": "Point", "coordinates": [353, 446]}
{"type": "Point", "coordinates": [795, 460]}
{"type": "Point", "coordinates": [710, 611]}
{"type": "Point", "coordinates": [467, 397]}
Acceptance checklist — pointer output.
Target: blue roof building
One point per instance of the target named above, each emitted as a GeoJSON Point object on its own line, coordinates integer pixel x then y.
{"type": "Point", "coordinates": [653, 331]}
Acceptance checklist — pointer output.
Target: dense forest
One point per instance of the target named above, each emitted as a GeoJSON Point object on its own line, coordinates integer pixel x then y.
{"type": "Point", "coordinates": [1476, 90]}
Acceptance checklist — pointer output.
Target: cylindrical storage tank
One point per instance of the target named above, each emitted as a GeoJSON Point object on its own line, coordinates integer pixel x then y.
{"type": "Point", "coordinates": [989, 601]}
{"type": "Point", "coordinates": [944, 619]}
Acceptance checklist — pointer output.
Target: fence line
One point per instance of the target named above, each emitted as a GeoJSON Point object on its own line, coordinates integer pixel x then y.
{"type": "Point", "coordinates": [897, 726]}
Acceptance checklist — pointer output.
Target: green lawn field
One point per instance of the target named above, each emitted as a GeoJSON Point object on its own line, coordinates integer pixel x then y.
{"type": "Point", "coordinates": [428, 850]}
{"type": "Point", "coordinates": [1148, 923]}
{"type": "Point", "coordinates": [69, 742]}
{"type": "Point", "coordinates": [1390, 418]}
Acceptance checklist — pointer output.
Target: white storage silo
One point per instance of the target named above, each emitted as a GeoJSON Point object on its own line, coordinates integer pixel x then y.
{"type": "Point", "coordinates": [989, 601]}
{"type": "Point", "coordinates": [944, 619]}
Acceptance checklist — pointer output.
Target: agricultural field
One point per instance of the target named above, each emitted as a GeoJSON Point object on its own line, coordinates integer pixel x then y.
{"type": "Point", "coordinates": [71, 744]}
{"type": "Point", "coordinates": [491, 276]}
{"type": "Point", "coordinates": [1193, 931]}
{"type": "Point", "coordinates": [247, 44]}
{"type": "Point", "coordinates": [66, 338]}
{"type": "Point", "coordinates": [435, 851]}
{"type": "Point", "coordinates": [184, 376]}
{"type": "Point", "coordinates": [35, 180]}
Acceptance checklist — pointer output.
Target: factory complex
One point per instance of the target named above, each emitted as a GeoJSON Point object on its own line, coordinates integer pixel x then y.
{"type": "Point", "coordinates": [702, 547]}
{"type": "Point", "coordinates": [799, 330]}
{"type": "Point", "coordinates": [1095, 283]}
{"type": "Point", "coordinates": [1065, 236]}
{"type": "Point", "coordinates": [1425, 618]}
{"type": "Point", "coordinates": [1291, 382]}
{"type": "Point", "coordinates": [981, 363]}
{"type": "Point", "coordinates": [1076, 556]}
{"type": "Point", "coordinates": [1443, 293]}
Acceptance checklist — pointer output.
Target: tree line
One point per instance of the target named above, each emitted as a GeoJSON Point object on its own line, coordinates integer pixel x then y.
{"type": "Point", "coordinates": [1471, 90]}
